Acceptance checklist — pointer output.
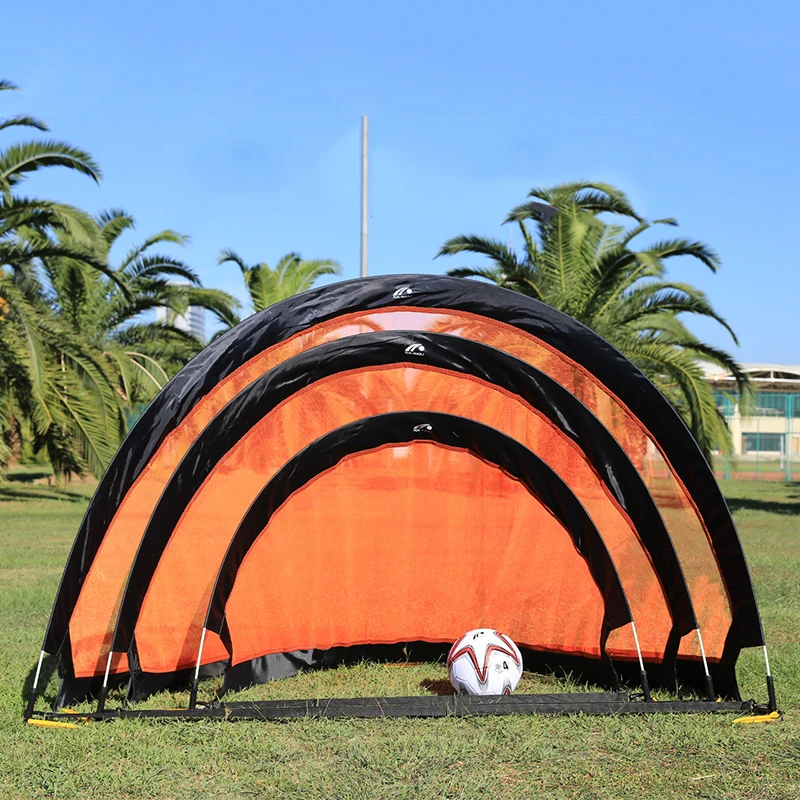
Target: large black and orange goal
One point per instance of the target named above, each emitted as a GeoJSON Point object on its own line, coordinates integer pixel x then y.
{"type": "Point", "coordinates": [389, 462]}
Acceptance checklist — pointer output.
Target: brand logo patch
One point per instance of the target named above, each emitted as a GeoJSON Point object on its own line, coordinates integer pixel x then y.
{"type": "Point", "coordinates": [415, 350]}
{"type": "Point", "coordinates": [403, 291]}
{"type": "Point", "coordinates": [423, 427]}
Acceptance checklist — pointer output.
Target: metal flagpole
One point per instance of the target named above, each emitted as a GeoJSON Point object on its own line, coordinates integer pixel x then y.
{"type": "Point", "coordinates": [364, 213]}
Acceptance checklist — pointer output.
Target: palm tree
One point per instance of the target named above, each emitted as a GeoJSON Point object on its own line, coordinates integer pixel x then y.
{"type": "Point", "coordinates": [51, 384]}
{"type": "Point", "coordinates": [267, 286]}
{"type": "Point", "coordinates": [21, 213]}
{"type": "Point", "coordinates": [575, 261]}
{"type": "Point", "coordinates": [107, 309]}
{"type": "Point", "coordinates": [55, 388]}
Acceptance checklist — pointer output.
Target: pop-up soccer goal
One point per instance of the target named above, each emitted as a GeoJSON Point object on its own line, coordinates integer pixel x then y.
{"type": "Point", "coordinates": [392, 461]}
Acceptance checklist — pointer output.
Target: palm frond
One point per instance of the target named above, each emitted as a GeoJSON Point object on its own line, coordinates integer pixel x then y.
{"type": "Point", "coordinates": [20, 159]}
{"type": "Point", "coordinates": [113, 222]}
{"type": "Point", "coordinates": [231, 256]}
{"type": "Point", "coordinates": [267, 286]}
{"type": "Point", "coordinates": [502, 255]}
{"type": "Point", "coordinates": [149, 267]}
{"type": "Point", "coordinates": [221, 304]}
{"type": "Point", "coordinates": [40, 215]}
{"type": "Point", "coordinates": [667, 298]}
{"type": "Point", "coordinates": [137, 252]}
{"type": "Point", "coordinates": [587, 268]}
{"type": "Point", "coordinates": [683, 247]}
{"type": "Point", "coordinates": [590, 196]}
{"type": "Point", "coordinates": [23, 121]}
{"type": "Point", "coordinates": [696, 402]}
{"type": "Point", "coordinates": [492, 274]}
{"type": "Point", "coordinates": [150, 368]}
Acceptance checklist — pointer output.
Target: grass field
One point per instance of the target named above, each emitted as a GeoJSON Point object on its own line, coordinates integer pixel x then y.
{"type": "Point", "coordinates": [503, 757]}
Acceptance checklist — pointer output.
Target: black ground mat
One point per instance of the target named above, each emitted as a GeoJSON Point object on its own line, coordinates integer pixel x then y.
{"type": "Point", "coordinates": [423, 706]}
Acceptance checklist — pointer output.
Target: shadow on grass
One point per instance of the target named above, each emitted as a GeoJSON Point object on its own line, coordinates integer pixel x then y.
{"type": "Point", "coordinates": [437, 687]}
{"type": "Point", "coordinates": [9, 492]}
{"type": "Point", "coordinates": [770, 506]}
{"type": "Point", "coordinates": [29, 475]}
{"type": "Point", "coordinates": [49, 665]}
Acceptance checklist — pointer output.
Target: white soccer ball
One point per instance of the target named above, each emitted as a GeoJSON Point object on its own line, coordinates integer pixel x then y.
{"type": "Point", "coordinates": [484, 661]}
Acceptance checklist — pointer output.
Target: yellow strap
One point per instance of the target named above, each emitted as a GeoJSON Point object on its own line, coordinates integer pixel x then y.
{"type": "Point", "coordinates": [749, 720]}
{"type": "Point", "coordinates": [51, 723]}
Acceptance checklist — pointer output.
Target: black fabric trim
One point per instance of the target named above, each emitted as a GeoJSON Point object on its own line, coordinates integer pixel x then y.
{"type": "Point", "coordinates": [407, 427]}
{"type": "Point", "coordinates": [283, 320]}
{"type": "Point", "coordinates": [723, 673]}
{"type": "Point", "coordinates": [273, 667]}
{"type": "Point", "coordinates": [451, 353]}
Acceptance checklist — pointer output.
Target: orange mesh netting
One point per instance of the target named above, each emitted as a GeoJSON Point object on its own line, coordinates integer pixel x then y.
{"type": "Point", "coordinates": [416, 542]}
{"type": "Point", "coordinates": [94, 614]}
{"type": "Point", "coordinates": [172, 615]}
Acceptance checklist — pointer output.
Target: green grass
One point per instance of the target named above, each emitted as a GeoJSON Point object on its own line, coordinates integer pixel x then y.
{"type": "Point", "coordinates": [502, 757]}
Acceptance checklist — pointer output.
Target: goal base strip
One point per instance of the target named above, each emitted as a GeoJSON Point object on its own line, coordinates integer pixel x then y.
{"type": "Point", "coordinates": [426, 706]}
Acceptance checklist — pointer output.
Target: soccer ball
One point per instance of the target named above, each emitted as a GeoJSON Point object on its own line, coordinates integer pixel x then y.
{"type": "Point", "coordinates": [484, 661]}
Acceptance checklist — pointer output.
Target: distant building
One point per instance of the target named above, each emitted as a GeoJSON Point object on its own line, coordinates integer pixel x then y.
{"type": "Point", "coordinates": [772, 427]}
{"type": "Point", "coordinates": [194, 321]}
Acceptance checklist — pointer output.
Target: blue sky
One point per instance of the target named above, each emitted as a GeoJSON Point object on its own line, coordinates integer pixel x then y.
{"type": "Point", "coordinates": [239, 125]}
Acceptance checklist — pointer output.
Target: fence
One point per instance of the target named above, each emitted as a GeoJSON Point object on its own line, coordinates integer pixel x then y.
{"type": "Point", "coordinates": [766, 441]}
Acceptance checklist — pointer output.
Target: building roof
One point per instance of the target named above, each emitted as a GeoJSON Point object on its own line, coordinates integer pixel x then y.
{"type": "Point", "coordinates": [760, 373]}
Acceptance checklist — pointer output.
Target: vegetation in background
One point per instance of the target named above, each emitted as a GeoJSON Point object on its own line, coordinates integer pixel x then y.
{"type": "Point", "coordinates": [54, 387]}
{"type": "Point", "coordinates": [576, 261]}
{"type": "Point", "coordinates": [291, 275]}
{"type": "Point", "coordinates": [96, 306]}
{"type": "Point", "coordinates": [77, 361]}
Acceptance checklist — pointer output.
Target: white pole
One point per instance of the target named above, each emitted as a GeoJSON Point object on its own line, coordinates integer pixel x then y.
{"type": "Point", "coordinates": [41, 659]}
{"type": "Point", "coordinates": [108, 669]}
{"type": "Point", "coordinates": [645, 682]}
{"type": "Point", "coordinates": [32, 696]}
{"type": "Point", "coordinates": [364, 208]}
{"type": "Point", "coordinates": [638, 649]}
{"type": "Point", "coordinates": [199, 656]}
{"type": "Point", "coordinates": [101, 701]}
{"type": "Point", "coordinates": [709, 682]}
{"type": "Point", "coordinates": [773, 703]}
{"type": "Point", "coordinates": [703, 653]}
{"type": "Point", "coordinates": [196, 681]}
